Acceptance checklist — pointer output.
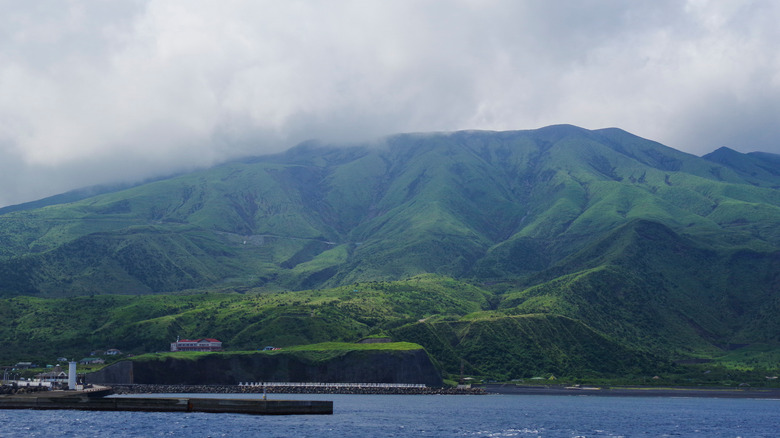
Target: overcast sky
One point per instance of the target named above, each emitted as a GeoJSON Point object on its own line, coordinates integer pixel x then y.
{"type": "Point", "coordinates": [99, 91]}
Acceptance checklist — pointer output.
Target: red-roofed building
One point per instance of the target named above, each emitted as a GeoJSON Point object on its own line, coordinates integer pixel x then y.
{"type": "Point", "coordinates": [205, 344]}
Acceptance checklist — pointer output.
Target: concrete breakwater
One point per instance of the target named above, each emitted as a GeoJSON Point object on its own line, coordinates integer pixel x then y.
{"type": "Point", "coordinates": [278, 388]}
{"type": "Point", "coordinates": [80, 402]}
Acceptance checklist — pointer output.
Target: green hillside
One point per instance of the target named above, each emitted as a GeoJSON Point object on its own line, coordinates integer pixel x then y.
{"type": "Point", "coordinates": [454, 322]}
{"type": "Point", "coordinates": [465, 204]}
{"type": "Point", "coordinates": [557, 250]}
{"type": "Point", "coordinates": [450, 319]}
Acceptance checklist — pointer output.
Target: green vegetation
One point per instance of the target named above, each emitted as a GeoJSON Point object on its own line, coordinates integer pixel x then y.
{"type": "Point", "coordinates": [311, 352]}
{"type": "Point", "coordinates": [451, 320]}
{"type": "Point", "coordinates": [515, 254]}
{"type": "Point", "coordinates": [345, 346]}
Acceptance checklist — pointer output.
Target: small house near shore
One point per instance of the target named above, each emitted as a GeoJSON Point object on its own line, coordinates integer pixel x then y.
{"type": "Point", "coordinates": [57, 375]}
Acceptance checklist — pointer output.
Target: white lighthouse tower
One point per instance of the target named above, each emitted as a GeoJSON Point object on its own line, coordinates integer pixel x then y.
{"type": "Point", "coordinates": [72, 375]}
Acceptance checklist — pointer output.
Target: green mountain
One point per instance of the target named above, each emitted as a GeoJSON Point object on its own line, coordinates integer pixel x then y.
{"type": "Point", "coordinates": [758, 168]}
{"type": "Point", "coordinates": [466, 204]}
{"type": "Point", "coordinates": [578, 252]}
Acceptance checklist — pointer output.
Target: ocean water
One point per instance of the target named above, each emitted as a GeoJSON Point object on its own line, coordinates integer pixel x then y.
{"type": "Point", "coordinates": [429, 416]}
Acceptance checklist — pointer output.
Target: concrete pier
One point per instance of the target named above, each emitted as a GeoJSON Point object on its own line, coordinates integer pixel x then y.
{"type": "Point", "coordinates": [83, 402]}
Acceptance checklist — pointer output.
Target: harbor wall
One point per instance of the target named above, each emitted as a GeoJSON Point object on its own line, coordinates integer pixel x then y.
{"type": "Point", "coordinates": [290, 389]}
{"type": "Point", "coordinates": [235, 406]}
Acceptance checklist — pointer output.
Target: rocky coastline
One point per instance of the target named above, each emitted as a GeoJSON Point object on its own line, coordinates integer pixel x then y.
{"type": "Point", "coordinates": [17, 390]}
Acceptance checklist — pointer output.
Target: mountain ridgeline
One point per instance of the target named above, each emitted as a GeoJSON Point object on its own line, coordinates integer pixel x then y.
{"type": "Point", "coordinates": [632, 245]}
{"type": "Point", "coordinates": [482, 205]}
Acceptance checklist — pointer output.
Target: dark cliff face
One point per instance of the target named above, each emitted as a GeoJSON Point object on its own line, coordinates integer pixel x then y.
{"type": "Point", "coordinates": [413, 366]}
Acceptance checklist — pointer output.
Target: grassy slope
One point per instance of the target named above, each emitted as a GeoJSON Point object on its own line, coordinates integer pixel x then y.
{"type": "Point", "coordinates": [658, 291]}
{"type": "Point", "coordinates": [312, 353]}
{"type": "Point", "coordinates": [51, 327]}
{"type": "Point", "coordinates": [512, 347]}
{"type": "Point", "coordinates": [47, 328]}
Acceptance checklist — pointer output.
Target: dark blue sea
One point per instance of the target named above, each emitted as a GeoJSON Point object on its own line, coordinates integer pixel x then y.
{"type": "Point", "coordinates": [430, 416]}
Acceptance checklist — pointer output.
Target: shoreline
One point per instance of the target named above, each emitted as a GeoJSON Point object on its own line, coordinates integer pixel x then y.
{"type": "Point", "coordinates": [633, 391]}
{"type": "Point", "coordinates": [138, 388]}
{"type": "Point", "coordinates": [501, 389]}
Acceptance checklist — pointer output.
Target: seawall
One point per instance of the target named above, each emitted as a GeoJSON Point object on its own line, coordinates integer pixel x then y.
{"type": "Point", "coordinates": [281, 389]}
{"type": "Point", "coordinates": [169, 404]}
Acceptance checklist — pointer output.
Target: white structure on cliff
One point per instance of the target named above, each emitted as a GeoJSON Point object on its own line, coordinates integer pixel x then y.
{"type": "Point", "coordinates": [205, 344]}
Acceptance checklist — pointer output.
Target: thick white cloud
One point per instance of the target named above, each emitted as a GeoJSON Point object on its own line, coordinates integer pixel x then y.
{"type": "Point", "coordinates": [94, 92]}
